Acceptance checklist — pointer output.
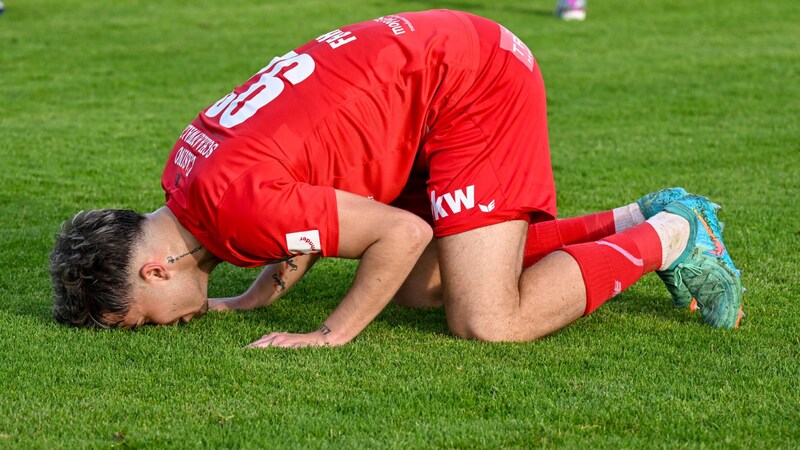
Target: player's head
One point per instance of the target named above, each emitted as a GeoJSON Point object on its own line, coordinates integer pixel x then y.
{"type": "Point", "coordinates": [90, 267]}
{"type": "Point", "coordinates": [105, 275]}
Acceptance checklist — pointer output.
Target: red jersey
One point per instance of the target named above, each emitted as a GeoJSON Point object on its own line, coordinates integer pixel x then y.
{"type": "Point", "coordinates": [253, 176]}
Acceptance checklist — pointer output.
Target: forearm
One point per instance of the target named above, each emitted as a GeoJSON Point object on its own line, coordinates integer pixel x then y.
{"type": "Point", "coordinates": [383, 268]}
{"type": "Point", "coordinates": [275, 280]}
{"type": "Point", "coordinates": [389, 242]}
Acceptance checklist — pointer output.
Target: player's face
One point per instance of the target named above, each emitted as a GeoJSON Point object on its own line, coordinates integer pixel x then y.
{"type": "Point", "coordinates": [166, 308]}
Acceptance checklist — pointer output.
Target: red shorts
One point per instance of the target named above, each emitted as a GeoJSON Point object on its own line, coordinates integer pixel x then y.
{"type": "Point", "coordinates": [486, 157]}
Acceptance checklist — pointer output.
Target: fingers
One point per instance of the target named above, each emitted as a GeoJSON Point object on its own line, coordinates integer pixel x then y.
{"type": "Point", "coordinates": [286, 340]}
{"type": "Point", "coordinates": [219, 304]}
{"type": "Point", "coordinates": [265, 341]}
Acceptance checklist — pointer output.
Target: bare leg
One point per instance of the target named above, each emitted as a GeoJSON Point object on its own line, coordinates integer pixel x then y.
{"type": "Point", "coordinates": [487, 296]}
{"type": "Point", "coordinates": [423, 287]}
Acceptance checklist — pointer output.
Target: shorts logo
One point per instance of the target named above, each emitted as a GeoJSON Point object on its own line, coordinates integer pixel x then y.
{"type": "Point", "coordinates": [487, 208]}
{"type": "Point", "coordinates": [303, 242]}
{"type": "Point", "coordinates": [455, 201]}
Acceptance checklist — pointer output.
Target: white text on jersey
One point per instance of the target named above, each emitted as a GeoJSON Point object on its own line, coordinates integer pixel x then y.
{"type": "Point", "coordinates": [185, 160]}
{"type": "Point", "coordinates": [396, 24]}
{"type": "Point", "coordinates": [337, 38]}
{"type": "Point", "coordinates": [199, 141]}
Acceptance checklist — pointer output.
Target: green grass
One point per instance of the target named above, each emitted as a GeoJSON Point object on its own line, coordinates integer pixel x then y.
{"type": "Point", "coordinates": [641, 96]}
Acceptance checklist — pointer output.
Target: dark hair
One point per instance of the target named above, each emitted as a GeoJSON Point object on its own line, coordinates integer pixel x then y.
{"type": "Point", "coordinates": [90, 267]}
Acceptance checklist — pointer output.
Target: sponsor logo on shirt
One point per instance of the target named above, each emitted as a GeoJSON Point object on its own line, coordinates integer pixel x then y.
{"type": "Point", "coordinates": [398, 25]}
{"type": "Point", "coordinates": [185, 160]}
{"type": "Point", "coordinates": [304, 242]}
{"type": "Point", "coordinates": [197, 144]}
{"type": "Point", "coordinates": [201, 143]}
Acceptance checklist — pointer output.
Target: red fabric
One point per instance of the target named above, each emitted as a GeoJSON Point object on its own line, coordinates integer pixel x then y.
{"type": "Point", "coordinates": [612, 264]}
{"type": "Point", "coordinates": [491, 147]}
{"type": "Point", "coordinates": [444, 97]}
{"type": "Point", "coordinates": [548, 236]}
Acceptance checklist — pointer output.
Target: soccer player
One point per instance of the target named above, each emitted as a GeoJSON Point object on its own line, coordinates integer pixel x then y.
{"type": "Point", "coordinates": [570, 10]}
{"type": "Point", "coordinates": [414, 142]}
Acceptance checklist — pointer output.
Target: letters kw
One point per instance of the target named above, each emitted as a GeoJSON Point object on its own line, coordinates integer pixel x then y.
{"type": "Point", "coordinates": [455, 202]}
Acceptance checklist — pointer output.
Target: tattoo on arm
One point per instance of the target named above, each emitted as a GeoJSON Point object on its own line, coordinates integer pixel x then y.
{"type": "Point", "coordinates": [279, 284]}
{"type": "Point", "coordinates": [174, 259]}
{"type": "Point", "coordinates": [325, 332]}
{"type": "Point", "coordinates": [290, 263]}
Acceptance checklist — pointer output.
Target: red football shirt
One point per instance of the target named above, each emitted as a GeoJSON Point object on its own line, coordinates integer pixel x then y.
{"type": "Point", "coordinates": [253, 176]}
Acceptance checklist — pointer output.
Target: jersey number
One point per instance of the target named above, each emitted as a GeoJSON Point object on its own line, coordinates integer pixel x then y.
{"type": "Point", "coordinates": [236, 109]}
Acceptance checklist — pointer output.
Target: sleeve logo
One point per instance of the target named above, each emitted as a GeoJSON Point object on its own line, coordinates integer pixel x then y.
{"type": "Point", "coordinates": [303, 242]}
{"type": "Point", "coordinates": [508, 41]}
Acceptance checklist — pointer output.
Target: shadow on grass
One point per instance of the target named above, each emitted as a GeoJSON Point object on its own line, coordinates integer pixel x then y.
{"type": "Point", "coordinates": [299, 317]}
{"type": "Point", "coordinates": [655, 308]}
{"type": "Point", "coordinates": [37, 311]}
{"type": "Point", "coordinates": [638, 305]}
{"type": "Point", "coordinates": [426, 320]}
{"type": "Point", "coordinates": [295, 315]}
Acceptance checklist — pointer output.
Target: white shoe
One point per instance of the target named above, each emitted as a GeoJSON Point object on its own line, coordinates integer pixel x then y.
{"type": "Point", "coordinates": [570, 10]}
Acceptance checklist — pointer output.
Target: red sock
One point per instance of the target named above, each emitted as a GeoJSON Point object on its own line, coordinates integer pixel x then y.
{"type": "Point", "coordinates": [547, 237]}
{"type": "Point", "coordinates": [612, 264]}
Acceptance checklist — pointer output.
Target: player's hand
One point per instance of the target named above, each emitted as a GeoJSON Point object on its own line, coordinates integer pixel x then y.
{"type": "Point", "coordinates": [290, 340]}
{"type": "Point", "coordinates": [244, 301]}
{"type": "Point", "coordinates": [224, 304]}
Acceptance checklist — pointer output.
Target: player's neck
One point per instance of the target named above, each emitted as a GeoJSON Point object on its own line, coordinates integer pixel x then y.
{"type": "Point", "coordinates": [181, 248]}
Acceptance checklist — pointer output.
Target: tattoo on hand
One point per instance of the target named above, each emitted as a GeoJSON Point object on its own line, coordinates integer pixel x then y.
{"type": "Point", "coordinates": [174, 259]}
{"type": "Point", "coordinates": [278, 282]}
{"type": "Point", "coordinates": [291, 264]}
{"type": "Point", "coordinates": [324, 330]}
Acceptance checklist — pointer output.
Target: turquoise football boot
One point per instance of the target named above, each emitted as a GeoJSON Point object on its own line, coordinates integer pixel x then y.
{"type": "Point", "coordinates": [705, 266]}
{"type": "Point", "coordinates": [653, 203]}
{"type": "Point", "coordinates": [650, 205]}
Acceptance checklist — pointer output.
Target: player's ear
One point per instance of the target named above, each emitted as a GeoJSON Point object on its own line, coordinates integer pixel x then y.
{"type": "Point", "coordinates": [153, 272]}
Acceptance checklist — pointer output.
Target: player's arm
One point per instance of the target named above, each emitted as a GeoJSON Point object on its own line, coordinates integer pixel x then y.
{"type": "Point", "coordinates": [389, 242]}
{"type": "Point", "coordinates": [274, 281]}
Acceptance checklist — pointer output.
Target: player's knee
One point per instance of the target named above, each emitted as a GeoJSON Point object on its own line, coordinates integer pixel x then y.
{"type": "Point", "coordinates": [414, 232]}
{"type": "Point", "coordinates": [418, 232]}
{"type": "Point", "coordinates": [506, 330]}
{"type": "Point", "coordinates": [481, 331]}
{"type": "Point", "coordinates": [480, 334]}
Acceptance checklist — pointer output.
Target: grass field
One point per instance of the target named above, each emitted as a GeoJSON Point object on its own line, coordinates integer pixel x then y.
{"type": "Point", "coordinates": [642, 95]}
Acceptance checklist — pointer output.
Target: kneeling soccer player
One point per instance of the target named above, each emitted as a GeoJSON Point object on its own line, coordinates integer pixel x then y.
{"type": "Point", "coordinates": [365, 143]}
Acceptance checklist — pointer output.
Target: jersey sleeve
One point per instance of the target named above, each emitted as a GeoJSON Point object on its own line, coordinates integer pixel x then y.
{"type": "Point", "coordinates": [261, 222]}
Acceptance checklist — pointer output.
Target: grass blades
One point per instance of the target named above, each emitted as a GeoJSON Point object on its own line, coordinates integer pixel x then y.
{"type": "Point", "coordinates": [641, 96]}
